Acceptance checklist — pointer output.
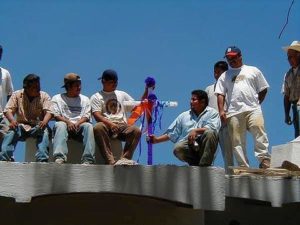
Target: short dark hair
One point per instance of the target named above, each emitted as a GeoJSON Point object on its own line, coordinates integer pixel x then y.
{"type": "Point", "coordinates": [30, 79]}
{"type": "Point", "coordinates": [221, 65]}
{"type": "Point", "coordinates": [201, 95]}
{"type": "Point", "coordinates": [1, 50]}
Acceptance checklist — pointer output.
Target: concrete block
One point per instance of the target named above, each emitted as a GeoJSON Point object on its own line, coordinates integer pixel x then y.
{"type": "Point", "coordinates": [75, 151]}
{"type": "Point", "coordinates": [289, 151]}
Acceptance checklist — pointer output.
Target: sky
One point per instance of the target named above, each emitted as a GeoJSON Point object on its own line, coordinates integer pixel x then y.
{"type": "Point", "coordinates": [177, 42]}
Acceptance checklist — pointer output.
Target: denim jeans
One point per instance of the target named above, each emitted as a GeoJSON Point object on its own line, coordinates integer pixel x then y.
{"type": "Point", "coordinates": [296, 120]}
{"type": "Point", "coordinates": [12, 137]}
{"type": "Point", "coordinates": [85, 134]}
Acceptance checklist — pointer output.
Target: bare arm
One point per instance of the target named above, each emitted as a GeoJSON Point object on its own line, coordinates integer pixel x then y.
{"type": "Point", "coordinates": [12, 122]}
{"type": "Point", "coordinates": [262, 95]}
{"type": "Point", "coordinates": [221, 101]}
{"type": "Point", "coordinates": [154, 140]}
{"type": "Point", "coordinates": [48, 116]}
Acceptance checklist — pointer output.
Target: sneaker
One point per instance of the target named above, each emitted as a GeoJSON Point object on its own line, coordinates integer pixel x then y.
{"type": "Point", "coordinates": [59, 161]}
{"type": "Point", "coordinates": [127, 162]}
{"type": "Point", "coordinates": [43, 161]}
{"type": "Point", "coordinates": [265, 164]}
{"type": "Point", "coordinates": [87, 163]}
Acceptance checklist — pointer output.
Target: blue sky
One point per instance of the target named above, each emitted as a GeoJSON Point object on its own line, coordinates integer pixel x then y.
{"type": "Point", "coordinates": [177, 42]}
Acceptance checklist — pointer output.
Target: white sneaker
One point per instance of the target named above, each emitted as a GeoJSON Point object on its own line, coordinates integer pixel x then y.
{"type": "Point", "coordinates": [125, 162]}
{"type": "Point", "coordinates": [59, 161]}
{"type": "Point", "coordinates": [86, 163]}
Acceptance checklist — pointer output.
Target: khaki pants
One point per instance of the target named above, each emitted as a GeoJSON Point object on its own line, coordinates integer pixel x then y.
{"type": "Point", "coordinates": [238, 125]}
{"type": "Point", "coordinates": [201, 154]}
{"type": "Point", "coordinates": [130, 134]}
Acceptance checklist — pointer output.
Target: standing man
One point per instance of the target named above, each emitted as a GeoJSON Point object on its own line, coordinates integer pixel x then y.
{"type": "Point", "coordinates": [32, 109]}
{"type": "Point", "coordinates": [243, 88]}
{"type": "Point", "coordinates": [195, 131]}
{"type": "Point", "coordinates": [224, 140]}
{"type": "Point", "coordinates": [109, 112]}
{"type": "Point", "coordinates": [291, 86]}
{"type": "Point", "coordinates": [6, 90]}
{"type": "Point", "coordinates": [72, 112]}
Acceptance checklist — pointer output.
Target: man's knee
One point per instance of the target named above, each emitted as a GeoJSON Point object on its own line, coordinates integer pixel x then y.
{"type": "Point", "coordinates": [60, 125]}
{"type": "Point", "coordinates": [137, 131]}
{"type": "Point", "coordinates": [210, 134]}
{"type": "Point", "coordinates": [99, 128]}
{"type": "Point", "coordinates": [87, 126]}
{"type": "Point", "coordinates": [179, 151]}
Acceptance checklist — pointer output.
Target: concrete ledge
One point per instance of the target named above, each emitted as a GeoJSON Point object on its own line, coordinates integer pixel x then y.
{"type": "Point", "coordinates": [202, 188]}
{"type": "Point", "coordinates": [276, 190]}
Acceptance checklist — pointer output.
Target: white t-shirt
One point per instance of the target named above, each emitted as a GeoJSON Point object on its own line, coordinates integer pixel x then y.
{"type": "Point", "coordinates": [71, 108]}
{"type": "Point", "coordinates": [241, 87]}
{"type": "Point", "coordinates": [6, 88]}
{"type": "Point", "coordinates": [110, 105]}
{"type": "Point", "coordinates": [212, 98]}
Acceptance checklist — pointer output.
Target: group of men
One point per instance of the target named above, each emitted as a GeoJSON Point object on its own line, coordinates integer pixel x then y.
{"type": "Point", "coordinates": [228, 109]}
{"type": "Point", "coordinates": [221, 114]}
{"type": "Point", "coordinates": [29, 110]}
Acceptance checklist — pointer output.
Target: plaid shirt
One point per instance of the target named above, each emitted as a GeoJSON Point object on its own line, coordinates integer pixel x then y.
{"type": "Point", "coordinates": [28, 113]}
{"type": "Point", "coordinates": [291, 86]}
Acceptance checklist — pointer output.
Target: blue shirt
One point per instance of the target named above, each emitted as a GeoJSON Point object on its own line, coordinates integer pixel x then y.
{"type": "Point", "coordinates": [188, 120]}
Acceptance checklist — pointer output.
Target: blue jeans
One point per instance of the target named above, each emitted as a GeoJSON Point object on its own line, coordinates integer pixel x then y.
{"type": "Point", "coordinates": [85, 134]}
{"type": "Point", "coordinates": [296, 119]}
{"type": "Point", "coordinates": [12, 137]}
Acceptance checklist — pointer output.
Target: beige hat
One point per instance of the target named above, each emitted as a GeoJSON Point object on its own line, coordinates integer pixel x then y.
{"type": "Point", "coordinates": [71, 77]}
{"type": "Point", "coordinates": [295, 46]}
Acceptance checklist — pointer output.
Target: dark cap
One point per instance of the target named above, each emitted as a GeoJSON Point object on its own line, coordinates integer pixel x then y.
{"type": "Point", "coordinates": [109, 75]}
{"type": "Point", "coordinates": [232, 51]}
{"type": "Point", "coordinates": [71, 77]}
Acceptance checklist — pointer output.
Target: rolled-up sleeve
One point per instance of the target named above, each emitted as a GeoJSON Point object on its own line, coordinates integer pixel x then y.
{"type": "Point", "coordinates": [213, 122]}
{"type": "Point", "coordinates": [174, 131]}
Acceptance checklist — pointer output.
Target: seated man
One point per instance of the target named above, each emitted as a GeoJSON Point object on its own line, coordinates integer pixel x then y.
{"type": "Point", "coordinates": [108, 110]}
{"type": "Point", "coordinates": [32, 108]}
{"type": "Point", "coordinates": [72, 111]}
{"type": "Point", "coordinates": [197, 131]}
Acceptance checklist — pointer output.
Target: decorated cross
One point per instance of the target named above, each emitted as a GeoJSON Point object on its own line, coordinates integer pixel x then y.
{"type": "Point", "coordinates": [149, 110]}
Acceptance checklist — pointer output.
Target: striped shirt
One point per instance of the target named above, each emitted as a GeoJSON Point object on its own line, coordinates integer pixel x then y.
{"type": "Point", "coordinates": [28, 113]}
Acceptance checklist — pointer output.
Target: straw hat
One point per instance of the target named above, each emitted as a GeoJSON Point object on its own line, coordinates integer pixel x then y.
{"type": "Point", "coordinates": [295, 46]}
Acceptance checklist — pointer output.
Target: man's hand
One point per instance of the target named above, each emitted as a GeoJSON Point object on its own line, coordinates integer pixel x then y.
{"type": "Point", "coordinates": [151, 139]}
{"type": "Point", "coordinates": [42, 124]}
{"type": "Point", "coordinates": [114, 128]}
{"type": "Point", "coordinates": [223, 117]}
{"type": "Point", "coordinates": [288, 120]}
{"type": "Point", "coordinates": [13, 124]}
{"type": "Point", "coordinates": [192, 137]}
{"type": "Point", "coordinates": [71, 126]}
